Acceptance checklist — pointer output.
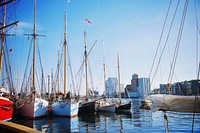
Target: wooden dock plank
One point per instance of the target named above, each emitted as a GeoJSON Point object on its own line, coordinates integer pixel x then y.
{"type": "Point", "coordinates": [16, 128]}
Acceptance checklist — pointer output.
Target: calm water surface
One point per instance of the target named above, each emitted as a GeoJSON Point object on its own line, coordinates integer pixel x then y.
{"type": "Point", "coordinates": [136, 120]}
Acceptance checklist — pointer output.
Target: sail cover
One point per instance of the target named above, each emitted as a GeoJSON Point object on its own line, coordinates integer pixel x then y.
{"type": "Point", "coordinates": [175, 103]}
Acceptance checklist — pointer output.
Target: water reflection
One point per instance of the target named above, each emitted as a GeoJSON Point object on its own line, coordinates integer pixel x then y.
{"type": "Point", "coordinates": [52, 124]}
{"type": "Point", "coordinates": [136, 120]}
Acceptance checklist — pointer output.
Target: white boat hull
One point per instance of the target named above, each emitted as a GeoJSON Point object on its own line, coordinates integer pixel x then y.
{"type": "Point", "coordinates": [105, 106]}
{"type": "Point", "coordinates": [65, 108]}
{"type": "Point", "coordinates": [33, 109]}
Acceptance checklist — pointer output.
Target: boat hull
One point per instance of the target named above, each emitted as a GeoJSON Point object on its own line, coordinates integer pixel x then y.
{"type": "Point", "coordinates": [6, 109]}
{"type": "Point", "coordinates": [33, 109]}
{"type": "Point", "coordinates": [87, 107]}
{"type": "Point", "coordinates": [107, 108]}
{"type": "Point", "coordinates": [65, 108]}
{"type": "Point", "coordinates": [123, 106]}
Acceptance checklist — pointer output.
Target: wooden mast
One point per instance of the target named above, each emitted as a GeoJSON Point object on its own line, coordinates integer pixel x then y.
{"type": "Point", "coordinates": [119, 79]}
{"type": "Point", "coordinates": [104, 70]}
{"type": "Point", "coordinates": [58, 72]}
{"type": "Point", "coordinates": [34, 52]}
{"type": "Point", "coordinates": [86, 73]}
{"type": "Point", "coordinates": [2, 44]}
{"type": "Point", "coordinates": [65, 45]}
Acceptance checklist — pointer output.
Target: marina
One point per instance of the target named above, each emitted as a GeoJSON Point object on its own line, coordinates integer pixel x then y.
{"type": "Point", "coordinates": [136, 120]}
{"type": "Point", "coordinates": [73, 86]}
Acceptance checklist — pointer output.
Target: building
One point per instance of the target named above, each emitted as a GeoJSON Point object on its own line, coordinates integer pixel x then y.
{"type": "Point", "coordinates": [143, 87]}
{"type": "Point", "coordinates": [111, 86]}
{"type": "Point", "coordinates": [185, 88]}
{"type": "Point", "coordinates": [134, 82]}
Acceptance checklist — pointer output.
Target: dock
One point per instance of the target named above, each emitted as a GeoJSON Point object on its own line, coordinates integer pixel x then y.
{"type": "Point", "coordinates": [9, 127]}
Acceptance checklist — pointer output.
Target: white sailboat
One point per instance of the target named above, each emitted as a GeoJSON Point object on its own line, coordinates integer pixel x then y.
{"type": "Point", "coordinates": [105, 105]}
{"type": "Point", "coordinates": [68, 107]}
{"type": "Point", "coordinates": [170, 102]}
{"type": "Point", "coordinates": [174, 103]}
{"type": "Point", "coordinates": [32, 106]}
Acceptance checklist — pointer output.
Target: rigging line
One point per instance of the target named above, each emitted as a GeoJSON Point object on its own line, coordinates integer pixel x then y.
{"type": "Point", "coordinates": [197, 30]}
{"type": "Point", "coordinates": [159, 43]}
{"type": "Point", "coordinates": [70, 67]}
{"type": "Point", "coordinates": [42, 70]}
{"type": "Point", "coordinates": [91, 80]}
{"type": "Point", "coordinates": [178, 42]}
{"type": "Point", "coordinates": [197, 88]}
{"type": "Point", "coordinates": [79, 80]}
{"type": "Point", "coordinates": [86, 57]}
{"type": "Point", "coordinates": [40, 60]}
{"type": "Point", "coordinates": [25, 72]}
{"type": "Point", "coordinates": [10, 71]}
{"type": "Point", "coordinates": [172, 22]}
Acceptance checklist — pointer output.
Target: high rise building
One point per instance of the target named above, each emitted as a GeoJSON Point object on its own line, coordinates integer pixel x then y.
{"type": "Point", "coordinates": [143, 87]}
{"type": "Point", "coordinates": [111, 86]}
{"type": "Point", "coordinates": [134, 82]}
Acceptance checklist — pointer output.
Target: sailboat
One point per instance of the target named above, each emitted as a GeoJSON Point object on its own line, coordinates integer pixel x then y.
{"type": "Point", "coordinates": [65, 107]}
{"type": "Point", "coordinates": [121, 105]}
{"type": "Point", "coordinates": [170, 102]}
{"type": "Point", "coordinates": [6, 105]}
{"type": "Point", "coordinates": [32, 106]}
{"type": "Point", "coordinates": [87, 105]}
{"type": "Point", "coordinates": [105, 104]}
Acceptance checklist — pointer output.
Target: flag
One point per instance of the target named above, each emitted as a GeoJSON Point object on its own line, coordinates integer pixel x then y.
{"type": "Point", "coordinates": [88, 21]}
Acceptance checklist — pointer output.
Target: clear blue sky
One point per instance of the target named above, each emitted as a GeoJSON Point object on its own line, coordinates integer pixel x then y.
{"type": "Point", "coordinates": [130, 27]}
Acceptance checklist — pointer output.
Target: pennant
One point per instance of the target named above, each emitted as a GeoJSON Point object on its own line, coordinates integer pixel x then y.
{"type": "Point", "coordinates": [88, 21]}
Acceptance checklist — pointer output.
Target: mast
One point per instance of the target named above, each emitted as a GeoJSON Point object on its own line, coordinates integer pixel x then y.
{"type": "Point", "coordinates": [65, 45]}
{"type": "Point", "coordinates": [119, 79]}
{"type": "Point", "coordinates": [34, 52]}
{"type": "Point", "coordinates": [2, 43]}
{"type": "Point", "coordinates": [58, 72]}
{"type": "Point", "coordinates": [104, 69]}
{"type": "Point", "coordinates": [86, 73]}
{"type": "Point", "coordinates": [48, 86]}
{"type": "Point", "coordinates": [52, 83]}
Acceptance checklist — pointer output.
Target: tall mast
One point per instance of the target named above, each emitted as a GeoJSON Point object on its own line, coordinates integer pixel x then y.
{"type": "Point", "coordinates": [119, 79]}
{"type": "Point", "coordinates": [86, 73]}
{"type": "Point", "coordinates": [34, 50]}
{"type": "Point", "coordinates": [48, 86]}
{"type": "Point", "coordinates": [58, 72]}
{"type": "Point", "coordinates": [2, 44]}
{"type": "Point", "coordinates": [52, 83]}
{"type": "Point", "coordinates": [65, 45]}
{"type": "Point", "coordinates": [104, 69]}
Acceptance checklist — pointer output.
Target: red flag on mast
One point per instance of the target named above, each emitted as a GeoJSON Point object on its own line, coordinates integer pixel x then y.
{"type": "Point", "coordinates": [88, 21]}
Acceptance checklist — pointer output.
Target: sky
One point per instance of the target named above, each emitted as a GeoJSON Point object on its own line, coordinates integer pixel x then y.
{"type": "Point", "coordinates": [131, 28]}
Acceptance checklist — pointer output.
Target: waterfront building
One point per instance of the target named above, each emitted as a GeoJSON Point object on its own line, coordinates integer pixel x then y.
{"type": "Point", "coordinates": [143, 87]}
{"type": "Point", "coordinates": [122, 90]}
{"type": "Point", "coordinates": [111, 86]}
{"type": "Point", "coordinates": [134, 82]}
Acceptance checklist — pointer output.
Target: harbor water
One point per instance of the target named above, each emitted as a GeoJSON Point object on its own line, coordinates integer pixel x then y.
{"type": "Point", "coordinates": [136, 120]}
